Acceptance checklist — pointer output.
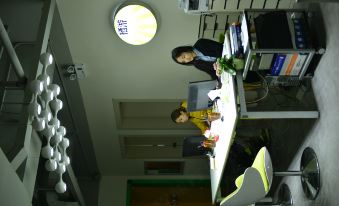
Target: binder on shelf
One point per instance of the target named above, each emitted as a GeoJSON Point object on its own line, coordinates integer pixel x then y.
{"type": "Point", "coordinates": [244, 33]}
{"type": "Point", "coordinates": [291, 64]}
{"type": "Point", "coordinates": [265, 61]}
{"type": "Point", "coordinates": [298, 64]}
{"type": "Point", "coordinates": [227, 45]}
{"type": "Point", "coordinates": [231, 41]}
{"type": "Point", "coordinates": [299, 33]}
{"type": "Point", "coordinates": [278, 63]}
{"type": "Point", "coordinates": [292, 30]}
{"type": "Point", "coordinates": [238, 32]}
{"type": "Point", "coordinates": [235, 37]}
{"type": "Point", "coordinates": [286, 63]}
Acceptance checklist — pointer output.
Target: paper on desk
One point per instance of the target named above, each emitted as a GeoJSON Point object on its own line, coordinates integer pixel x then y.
{"type": "Point", "coordinates": [214, 94]}
{"type": "Point", "coordinates": [212, 163]}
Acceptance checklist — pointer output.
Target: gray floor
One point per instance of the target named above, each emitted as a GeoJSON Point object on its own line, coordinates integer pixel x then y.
{"type": "Point", "coordinates": [321, 134]}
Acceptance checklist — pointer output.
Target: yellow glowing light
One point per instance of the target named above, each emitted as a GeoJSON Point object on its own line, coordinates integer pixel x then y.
{"type": "Point", "coordinates": [135, 24]}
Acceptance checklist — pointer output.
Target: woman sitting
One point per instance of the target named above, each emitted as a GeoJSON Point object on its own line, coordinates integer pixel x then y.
{"type": "Point", "coordinates": [199, 118]}
{"type": "Point", "coordinates": [203, 55]}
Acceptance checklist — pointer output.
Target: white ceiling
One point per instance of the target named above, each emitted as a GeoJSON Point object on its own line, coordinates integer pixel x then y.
{"type": "Point", "coordinates": [120, 71]}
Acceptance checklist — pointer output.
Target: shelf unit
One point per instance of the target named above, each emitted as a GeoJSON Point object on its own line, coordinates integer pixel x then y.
{"type": "Point", "coordinates": [259, 44]}
{"type": "Point", "coordinates": [212, 6]}
{"type": "Point", "coordinates": [215, 17]}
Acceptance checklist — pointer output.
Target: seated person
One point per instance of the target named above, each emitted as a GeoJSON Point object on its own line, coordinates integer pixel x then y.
{"type": "Point", "coordinates": [243, 149]}
{"type": "Point", "coordinates": [199, 118]}
{"type": "Point", "coordinates": [203, 55]}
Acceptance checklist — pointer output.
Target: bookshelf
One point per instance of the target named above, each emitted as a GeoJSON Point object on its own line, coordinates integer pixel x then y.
{"type": "Point", "coordinates": [228, 6]}
{"type": "Point", "coordinates": [219, 13]}
{"type": "Point", "coordinates": [276, 42]}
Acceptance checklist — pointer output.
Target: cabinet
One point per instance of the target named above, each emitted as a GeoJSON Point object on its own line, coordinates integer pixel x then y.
{"type": "Point", "coordinates": [229, 6]}
{"type": "Point", "coordinates": [277, 42]}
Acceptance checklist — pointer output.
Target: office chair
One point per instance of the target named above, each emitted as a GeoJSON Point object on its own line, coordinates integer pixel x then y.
{"type": "Point", "coordinates": [254, 184]}
{"type": "Point", "coordinates": [192, 146]}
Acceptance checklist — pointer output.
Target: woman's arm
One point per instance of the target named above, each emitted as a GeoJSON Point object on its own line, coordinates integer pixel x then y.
{"type": "Point", "coordinates": [206, 67]}
{"type": "Point", "coordinates": [202, 125]}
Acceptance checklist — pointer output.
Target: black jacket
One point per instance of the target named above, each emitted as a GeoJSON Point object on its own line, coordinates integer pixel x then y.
{"type": "Point", "coordinates": [214, 49]}
{"type": "Point", "coordinates": [208, 48]}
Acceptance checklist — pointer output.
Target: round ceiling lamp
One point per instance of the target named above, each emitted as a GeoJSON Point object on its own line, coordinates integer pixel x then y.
{"type": "Point", "coordinates": [134, 22]}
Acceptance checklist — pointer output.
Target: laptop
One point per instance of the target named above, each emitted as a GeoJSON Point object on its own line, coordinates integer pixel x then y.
{"type": "Point", "coordinates": [197, 95]}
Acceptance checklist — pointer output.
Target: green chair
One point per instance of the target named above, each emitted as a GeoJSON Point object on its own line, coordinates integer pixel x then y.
{"type": "Point", "coordinates": [254, 184]}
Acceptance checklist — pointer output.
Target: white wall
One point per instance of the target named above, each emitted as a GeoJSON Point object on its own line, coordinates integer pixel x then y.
{"type": "Point", "coordinates": [120, 71]}
{"type": "Point", "coordinates": [22, 27]}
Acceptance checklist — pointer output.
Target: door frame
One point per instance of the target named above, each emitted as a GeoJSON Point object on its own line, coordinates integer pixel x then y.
{"type": "Point", "coordinates": [162, 182]}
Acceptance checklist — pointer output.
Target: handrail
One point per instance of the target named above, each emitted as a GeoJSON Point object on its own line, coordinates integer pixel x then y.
{"type": "Point", "coordinates": [11, 52]}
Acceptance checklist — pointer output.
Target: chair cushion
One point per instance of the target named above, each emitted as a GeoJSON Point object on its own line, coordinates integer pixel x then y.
{"type": "Point", "coordinates": [259, 164]}
{"type": "Point", "coordinates": [250, 190]}
{"type": "Point", "coordinates": [239, 180]}
{"type": "Point", "coordinates": [238, 183]}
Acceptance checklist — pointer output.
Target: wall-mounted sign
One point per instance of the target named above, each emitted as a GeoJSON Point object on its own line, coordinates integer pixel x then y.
{"type": "Point", "coordinates": [135, 24]}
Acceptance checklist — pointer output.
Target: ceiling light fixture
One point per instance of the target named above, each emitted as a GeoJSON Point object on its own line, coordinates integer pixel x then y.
{"type": "Point", "coordinates": [134, 22]}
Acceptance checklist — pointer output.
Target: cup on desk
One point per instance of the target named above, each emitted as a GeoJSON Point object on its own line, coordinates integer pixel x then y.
{"type": "Point", "coordinates": [213, 116]}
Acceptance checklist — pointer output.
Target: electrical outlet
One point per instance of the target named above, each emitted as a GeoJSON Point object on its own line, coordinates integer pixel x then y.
{"type": "Point", "coordinates": [80, 71]}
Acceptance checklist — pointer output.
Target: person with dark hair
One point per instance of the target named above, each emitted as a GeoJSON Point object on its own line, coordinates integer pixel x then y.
{"type": "Point", "coordinates": [243, 148]}
{"type": "Point", "coordinates": [203, 54]}
{"type": "Point", "coordinates": [199, 118]}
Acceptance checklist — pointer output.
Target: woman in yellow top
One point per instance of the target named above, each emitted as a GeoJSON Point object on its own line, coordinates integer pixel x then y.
{"type": "Point", "coordinates": [199, 118]}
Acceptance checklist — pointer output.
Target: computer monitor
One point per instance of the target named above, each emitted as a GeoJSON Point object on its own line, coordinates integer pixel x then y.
{"type": "Point", "coordinates": [197, 95]}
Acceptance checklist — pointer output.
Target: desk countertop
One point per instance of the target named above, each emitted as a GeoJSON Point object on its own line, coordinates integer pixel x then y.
{"type": "Point", "coordinates": [223, 127]}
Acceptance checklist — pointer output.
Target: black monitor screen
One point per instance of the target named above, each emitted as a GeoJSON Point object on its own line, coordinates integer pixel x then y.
{"type": "Point", "coordinates": [197, 95]}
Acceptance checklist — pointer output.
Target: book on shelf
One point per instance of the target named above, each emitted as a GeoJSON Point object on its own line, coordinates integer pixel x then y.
{"type": "Point", "coordinates": [298, 30]}
{"type": "Point", "coordinates": [227, 46]}
{"type": "Point", "coordinates": [286, 63]}
{"type": "Point", "coordinates": [244, 32]}
{"type": "Point", "coordinates": [291, 28]}
{"type": "Point", "coordinates": [238, 32]}
{"type": "Point", "coordinates": [291, 64]}
{"type": "Point", "coordinates": [299, 63]}
{"type": "Point", "coordinates": [278, 63]}
{"type": "Point", "coordinates": [235, 39]}
{"type": "Point", "coordinates": [231, 40]}
{"type": "Point", "coordinates": [265, 61]}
